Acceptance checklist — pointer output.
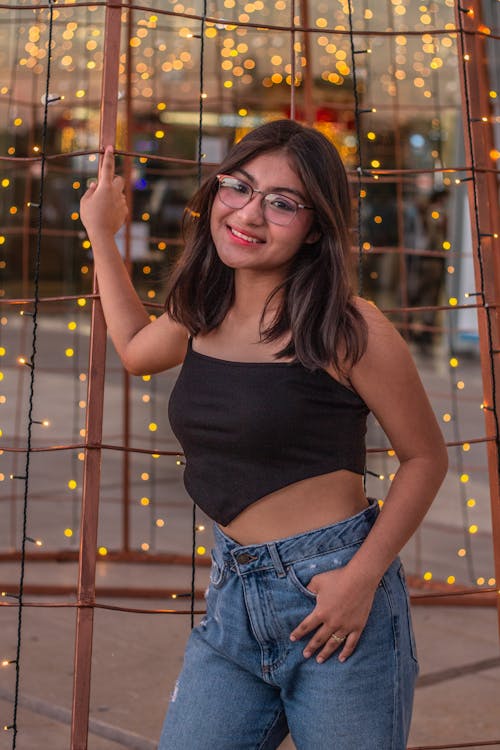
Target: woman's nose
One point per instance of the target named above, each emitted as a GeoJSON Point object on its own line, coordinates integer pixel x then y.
{"type": "Point", "coordinates": [253, 211]}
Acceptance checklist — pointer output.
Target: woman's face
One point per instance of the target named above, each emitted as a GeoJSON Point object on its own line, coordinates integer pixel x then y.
{"type": "Point", "coordinates": [244, 237]}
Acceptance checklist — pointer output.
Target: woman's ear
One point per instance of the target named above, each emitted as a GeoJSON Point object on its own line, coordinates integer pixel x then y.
{"type": "Point", "coordinates": [313, 236]}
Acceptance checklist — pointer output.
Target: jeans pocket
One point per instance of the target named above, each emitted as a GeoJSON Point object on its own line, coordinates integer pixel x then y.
{"type": "Point", "coordinates": [402, 579]}
{"type": "Point", "coordinates": [301, 572]}
{"type": "Point", "coordinates": [218, 571]}
{"type": "Point", "coordinates": [293, 577]}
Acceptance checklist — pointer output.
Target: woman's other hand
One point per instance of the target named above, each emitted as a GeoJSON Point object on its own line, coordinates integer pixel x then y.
{"type": "Point", "coordinates": [103, 208]}
{"type": "Point", "coordinates": [342, 608]}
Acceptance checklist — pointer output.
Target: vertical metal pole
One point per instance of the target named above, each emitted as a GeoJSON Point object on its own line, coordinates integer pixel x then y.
{"type": "Point", "coordinates": [127, 170]}
{"type": "Point", "coordinates": [293, 70]}
{"type": "Point", "coordinates": [483, 203]}
{"type": "Point", "coordinates": [308, 70]}
{"type": "Point", "coordinates": [93, 433]}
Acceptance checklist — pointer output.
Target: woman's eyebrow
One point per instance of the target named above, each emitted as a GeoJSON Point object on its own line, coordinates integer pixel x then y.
{"type": "Point", "coordinates": [273, 189]}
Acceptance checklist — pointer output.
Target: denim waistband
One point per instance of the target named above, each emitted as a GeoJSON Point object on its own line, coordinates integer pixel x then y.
{"type": "Point", "coordinates": [282, 552]}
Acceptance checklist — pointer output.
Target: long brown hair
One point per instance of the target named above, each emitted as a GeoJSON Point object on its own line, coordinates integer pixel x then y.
{"type": "Point", "coordinates": [316, 313]}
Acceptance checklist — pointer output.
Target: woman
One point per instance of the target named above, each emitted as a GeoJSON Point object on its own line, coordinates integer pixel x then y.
{"type": "Point", "coordinates": [307, 627]}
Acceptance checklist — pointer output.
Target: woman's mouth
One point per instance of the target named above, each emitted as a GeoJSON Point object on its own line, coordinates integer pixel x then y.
{"type": "Point", "coordinates": [244, 237]}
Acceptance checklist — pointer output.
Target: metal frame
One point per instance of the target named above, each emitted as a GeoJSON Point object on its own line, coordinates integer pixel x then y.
{"type": "Point", "coordinates": [483, 191]}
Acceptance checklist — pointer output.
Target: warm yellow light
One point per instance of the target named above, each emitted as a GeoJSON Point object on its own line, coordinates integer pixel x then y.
{"type": "Point", "coordinates": [81, 302]}
{"type": "Point", "coordinates": [68, 533]}
{"type": "Point", "coordinates": [471, 502]}
{"type": "Point", "coordinates": [201, 550]}
{"type": "Point", "coordinates": [145, 546]}
{"type": "Point", "coordinates": [160, 523]}
{"type": "Point", "coordinates": [460, 385]}
{"type": "Point", "coordinates": [72, 484]}
{"type": "Point", "coordinates": [103, 551]}
{"type": "Point", "coordinates": [152, 427]}
{"type": "Point", "coordinates": [69, 352]}
{"type": "Point", "coordinates": [473, 528]}
{"type": "Point", "coordinates": [453, 362]}
{"type": "Point", "coordinates": [427, 575]}
{"type": "Point", "coordinates": [461, 552]}
{"type": "Point", "coordinates": [145, 501]}
{"type": "Point", "coordinates": [464, 478]}
{"type": "Point", "coordinates": [146, 378]}
{"type": "Point", "coordinates": [446, 417]}
{"type": "Point", "coordinates": [450, 579]}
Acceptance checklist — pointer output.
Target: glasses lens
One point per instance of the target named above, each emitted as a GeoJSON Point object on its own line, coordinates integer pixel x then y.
{"type": "Point", "coordinates": [233, 192]}
{"type": "Point", "coordinates": [279, 209]}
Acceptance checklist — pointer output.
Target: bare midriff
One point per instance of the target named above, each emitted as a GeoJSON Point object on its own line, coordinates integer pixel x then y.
{"type": "Point", "coordinates": [302, 506]}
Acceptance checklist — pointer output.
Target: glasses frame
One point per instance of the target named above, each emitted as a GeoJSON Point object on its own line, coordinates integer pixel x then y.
{"type": "Point", "coordinates": [264, 194]}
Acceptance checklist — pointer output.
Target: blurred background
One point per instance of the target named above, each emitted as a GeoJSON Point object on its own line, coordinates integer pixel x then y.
{"type": "Point", "coordinates": [382, 80]}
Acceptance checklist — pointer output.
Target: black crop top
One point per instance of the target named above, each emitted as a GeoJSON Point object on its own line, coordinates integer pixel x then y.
{"type": "Point", "coordinates": [251, 428]}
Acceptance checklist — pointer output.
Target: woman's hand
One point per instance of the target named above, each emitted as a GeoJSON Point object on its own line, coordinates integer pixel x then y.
{"type": "Point", "coordinates": [342, 608]}
{"type": "Point", "coordinates": [103, 208]}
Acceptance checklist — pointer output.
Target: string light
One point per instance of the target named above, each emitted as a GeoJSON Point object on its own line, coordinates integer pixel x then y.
{"type": "Point", "coordinates": [36, 542]}
{"type": "Point", "coordinates": [23, 361]}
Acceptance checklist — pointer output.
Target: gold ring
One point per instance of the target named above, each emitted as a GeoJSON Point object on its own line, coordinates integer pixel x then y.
{"type": "Point", "coordinates": [338, 638]}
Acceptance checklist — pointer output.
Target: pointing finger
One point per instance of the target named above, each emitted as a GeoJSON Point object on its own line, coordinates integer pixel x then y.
{"type": "Point", "coordinates": [108, 165]}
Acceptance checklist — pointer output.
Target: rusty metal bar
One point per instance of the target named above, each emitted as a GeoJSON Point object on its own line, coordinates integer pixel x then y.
{"type": "Point", "coordinates": [483, 204]}
{"type": "Point", "coordinates": [93, 432]}
{"type": "Point", "coordinates": [307, 73]}
{"type": "Point", "coordinates": [455, 598]}
{"type": "Point", "coordinates": [127, 171]}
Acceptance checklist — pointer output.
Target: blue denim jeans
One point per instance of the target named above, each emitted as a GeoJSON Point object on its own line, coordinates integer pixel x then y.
{"type": "Point", "coordinates": [244, 685]}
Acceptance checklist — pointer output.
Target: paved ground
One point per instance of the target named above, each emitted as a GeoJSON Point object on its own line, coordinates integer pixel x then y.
{"type": "Point", "coordinates": [137, 656]}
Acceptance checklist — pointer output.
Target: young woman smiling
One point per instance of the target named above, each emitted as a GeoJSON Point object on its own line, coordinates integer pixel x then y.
{"type": "Point", "coordinates": [307, 627]}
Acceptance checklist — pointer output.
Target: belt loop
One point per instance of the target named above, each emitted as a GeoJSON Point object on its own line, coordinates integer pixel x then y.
{"type": "Point", "coordinates": [273, 552]}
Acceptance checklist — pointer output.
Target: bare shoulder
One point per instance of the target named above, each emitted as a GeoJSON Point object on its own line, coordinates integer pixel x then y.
{"type": "Point", "coordinates": [386, 367]}
{"type": "Point", "coordinates": [387, 380]}
{"type": "Point", "coordinates": [383, 340]}
{"type": "Point", "coordinates": [374, 318]}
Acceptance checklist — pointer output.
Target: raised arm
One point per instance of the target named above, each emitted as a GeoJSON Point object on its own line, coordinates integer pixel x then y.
{"type": "Point", "coordinates": [143, 346]}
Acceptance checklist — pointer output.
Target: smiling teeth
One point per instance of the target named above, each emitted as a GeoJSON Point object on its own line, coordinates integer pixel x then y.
{"type": "Point", "coordinates": [244, 236]}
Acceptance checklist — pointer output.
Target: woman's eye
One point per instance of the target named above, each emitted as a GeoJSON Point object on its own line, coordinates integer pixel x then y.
{"type": "Point", "coordinates": [238, 187]}
{"type": "Point", "coordinates": [281, 203]}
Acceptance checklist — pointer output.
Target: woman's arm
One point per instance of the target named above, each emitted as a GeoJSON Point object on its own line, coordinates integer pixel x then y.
{"type": "Point", "coordinates": [143, 346]}
{"type": "Point", "coordinates": [387, 379]}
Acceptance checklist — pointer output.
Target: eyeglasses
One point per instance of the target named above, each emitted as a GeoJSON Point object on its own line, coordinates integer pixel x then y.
{"type": "Point", "coordinates": [278, 209]}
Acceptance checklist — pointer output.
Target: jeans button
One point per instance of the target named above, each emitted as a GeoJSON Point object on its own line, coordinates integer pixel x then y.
{"type": "Point", "coordinates": [244, 557]}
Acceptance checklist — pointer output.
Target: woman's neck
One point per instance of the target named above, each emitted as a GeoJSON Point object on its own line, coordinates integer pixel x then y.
{"type": "Point", "coordinates": [251, 295]}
